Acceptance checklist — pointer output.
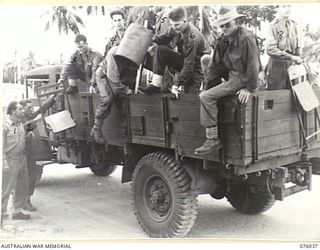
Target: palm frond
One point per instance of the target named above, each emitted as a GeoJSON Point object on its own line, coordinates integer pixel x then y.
{"type": "Point", "coordinates": [47, 26]}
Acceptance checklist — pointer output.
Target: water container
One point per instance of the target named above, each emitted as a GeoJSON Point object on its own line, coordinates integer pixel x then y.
{"type": "Point", "coordinates": [134, 45]}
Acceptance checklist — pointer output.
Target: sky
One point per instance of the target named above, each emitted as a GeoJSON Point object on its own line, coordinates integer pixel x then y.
{"type": "Point", "coordinates": [23, 31]}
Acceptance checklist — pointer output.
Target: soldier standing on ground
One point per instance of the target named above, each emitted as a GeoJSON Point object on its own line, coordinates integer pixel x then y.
{"type": "Point", "coordinates": [30, 125]}
{"type": "Point", "coordinates": [81, 66]}
{"type": "Point", "coordinates": [14, 163]}
{"type": "Point", "coordinates": [237, 60]}
{"type": "Point", "coordinates": [283, 47]}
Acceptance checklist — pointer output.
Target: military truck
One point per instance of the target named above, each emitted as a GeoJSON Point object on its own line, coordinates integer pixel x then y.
{"type": "Point", "coordinates": [265, 155]}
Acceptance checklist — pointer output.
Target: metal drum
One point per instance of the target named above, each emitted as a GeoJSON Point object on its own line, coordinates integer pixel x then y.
{"type": "Point", "coordinates": [134, 45]}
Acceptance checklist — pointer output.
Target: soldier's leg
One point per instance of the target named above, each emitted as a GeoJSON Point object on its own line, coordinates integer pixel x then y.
{"type": "Point", "coordinates": [32, 173]}
{"type": "Point", "coordinates": [9, 179]}
{"type": "Point", "coordinates": [21, 191]}
{"type": "Point", "coordinates": [72, 88]}
{"type": "Point", "coordinates": [104, 107]}
{"type": "Point", "coordinates": [205, 59]}
{"type": "Point", "coordinates": [277, 74]}
{"type": "Point", "coordinates": [209, 113]}
{"type": "Point", "coordinates": [163, 57]}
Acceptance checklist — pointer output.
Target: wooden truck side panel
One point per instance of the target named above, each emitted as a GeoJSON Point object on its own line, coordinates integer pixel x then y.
{"type": "Point", "coordinates": [267, 127]}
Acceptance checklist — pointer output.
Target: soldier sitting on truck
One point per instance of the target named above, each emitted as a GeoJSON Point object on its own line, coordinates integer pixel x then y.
{"type": "Point", "coordinates": [118, 23]}
{"type": "Point", "coordinates": [236, 59]}
{"type": "Point", "coordinates": [190, 45]}
{"type": "Point", "coordinates": [81, 66]}
{"type": "Point", "coordinates": [112, 83]}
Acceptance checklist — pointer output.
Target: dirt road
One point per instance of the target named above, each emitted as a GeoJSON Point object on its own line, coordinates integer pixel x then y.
{"type": "Point", "coordinates": [75, 204]}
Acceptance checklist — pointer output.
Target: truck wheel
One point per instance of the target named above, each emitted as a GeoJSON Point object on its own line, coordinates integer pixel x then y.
{"type": "Point", "coordinates": [315, 165]}
{"type": "Point", "coordinates": [103, 169]}
{"type": "Point", "coordinates": [164, 203]}
{"type": "Point", "coordinates": [39, 171]}
{"type": "Point", "coordinates": [245, 201]}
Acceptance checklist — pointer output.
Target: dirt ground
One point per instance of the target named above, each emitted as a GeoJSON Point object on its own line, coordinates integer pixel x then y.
{"type": "Point", "coordinates": [74, 204]}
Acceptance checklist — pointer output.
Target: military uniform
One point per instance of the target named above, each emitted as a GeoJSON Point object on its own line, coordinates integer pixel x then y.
{"type": "Point", "coordinates": [112, 83]}
{"type": "Point", "coordinates": [31, 162]}
{"type": "Point", "coordinates": [237, 60]}
{"type": "Point", "coordinates": [282, 43]}
{"type": "Point", "coordinates": [82, 66]}
{"type": "Point", "coordinates": [14, 166]}
{"type": "Point", "coordinates": [109, 84]}
{"type": "Point", "coordinates": [114, 41]}
{"type": "Point", "coordinates": [190, 48]}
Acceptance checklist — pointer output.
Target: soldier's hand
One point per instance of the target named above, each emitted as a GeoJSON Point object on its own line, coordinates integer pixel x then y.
{"type": "Point", "coordinates": [297, 59]}
{"type": "Point", "coordinates": [92, 89]}
{"type": "Point", "coordinates": [61, 89]}
{"type": "Point", "coordinates": [129, 92]}
{"type": "Point", "coordinates": [5, 165]}
{"type": "Point", "coordinates": [61, 81]}
{"type": "Point", "coordinates": [152, 49]}
{"type": "Point", "coordinates": [30, 134]}
{"type": "Point", "coordinates": [243, 95]}
{"type": "Point", "coordinates": [176, 91]}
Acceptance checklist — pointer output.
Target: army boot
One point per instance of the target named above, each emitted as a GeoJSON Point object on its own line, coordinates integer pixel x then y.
{"type": "Point", "coordinates": [212, 142]}
{"type": "Point", "coordinates": [28, 206]}
{"type": "Point", "coordinates": [96, 133]}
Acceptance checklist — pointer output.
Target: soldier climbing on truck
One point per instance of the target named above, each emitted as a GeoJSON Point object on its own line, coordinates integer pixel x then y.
{"type": "Point", "coordinates": [112, 84]}
{"type": "Point", "coordinates": [190, 44]}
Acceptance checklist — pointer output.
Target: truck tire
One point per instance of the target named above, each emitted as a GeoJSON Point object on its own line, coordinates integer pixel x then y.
{"type": "Point", "coordinates": [245, 201]}
{"type": "Point", "coordinates": [163, 201]}
{"type": "Point", "coordinates": [103, 169]}
{"type": "Point", "coordinates": [315, 165]}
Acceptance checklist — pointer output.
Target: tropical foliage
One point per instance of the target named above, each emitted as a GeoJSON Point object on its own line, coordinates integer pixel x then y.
{"type": "Point", "coordinates": [311, 54]}
{"type": "Point", "coordinates": [255, 14]}
{"type": "Point", "coordinates": [65, 18]}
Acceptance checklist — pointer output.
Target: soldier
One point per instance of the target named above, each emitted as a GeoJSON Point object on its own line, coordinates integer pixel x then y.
{"type": "Point", "coordinates": [14, 163]}
{"type": "Point", "coordinates": [190, 44]}
{"type": "Point", "coordinates": [283, 47]}
{"type": "Point", "coordinates": [236, 59]}
{"type": "Point", "coordinates": [81, 67]}
{"type": "Point", "coordinates": [112, 83]}
{"type": "Point", "coordinates": [118, 22]}
{"type": "Point", "coordinates": [30, 125]}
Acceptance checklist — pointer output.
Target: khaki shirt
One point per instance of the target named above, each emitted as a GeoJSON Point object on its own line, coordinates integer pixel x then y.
{"type": "Point", "coordinates": [114, 41]}
{"type": "Point", "coordinates": [82, 66]}
{"type": "Point", "coordinates": [13, 139]}
{"type": "Point", "coordinates": [238, 54]}
{"type": "Point", "coordinates": [191, 45]}
{"type": "Point", "coordinates": [283, 40]}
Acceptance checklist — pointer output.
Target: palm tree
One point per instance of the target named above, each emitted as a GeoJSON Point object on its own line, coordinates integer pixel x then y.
{"type": "Point", "coordinates": [95, 10]}
{"type": "Point", "coordinates": [65, 18]}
